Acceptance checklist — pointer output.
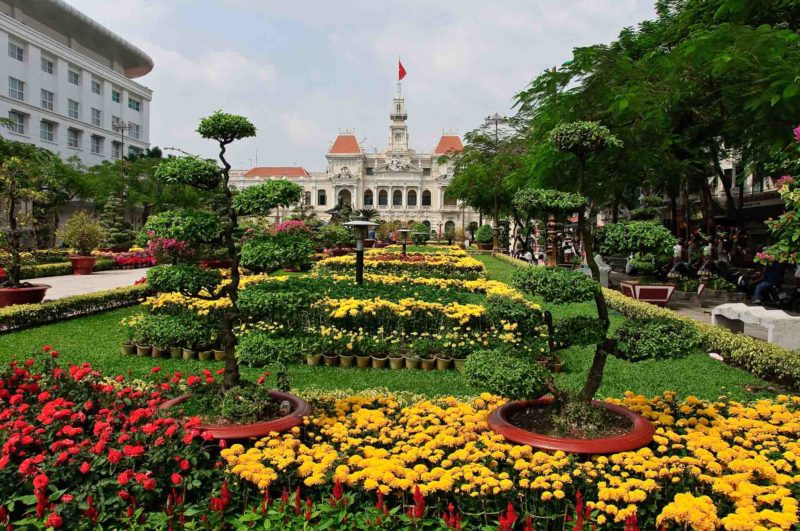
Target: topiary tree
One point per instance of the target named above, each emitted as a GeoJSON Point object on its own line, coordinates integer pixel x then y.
{"type": "Point", "coordinates": [204, 174]}
{"type": "Point", "coordinates": [484, 234]}
{"type": "Point", "coordinates": [420, 233]}
{"type": "Point", "coordinates": [644, 239]}
{"type": "Point", "coordinates": [119, 234]}
{"type": "Point", "coordinates": [22, 179]}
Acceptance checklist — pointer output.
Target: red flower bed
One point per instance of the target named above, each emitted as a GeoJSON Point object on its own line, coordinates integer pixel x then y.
{"type": "Point", "coordinates": [79, 448]}
{"type": "Point", "coordinates": [134, 259]}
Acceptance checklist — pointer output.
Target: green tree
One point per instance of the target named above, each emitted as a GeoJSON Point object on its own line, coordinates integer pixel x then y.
{"type": "Point", "coordinates": [119, 233]}
{"type": "Point", "coordinates": [224, 129]}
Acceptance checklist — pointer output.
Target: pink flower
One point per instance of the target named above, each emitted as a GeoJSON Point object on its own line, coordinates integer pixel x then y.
{"type": "Point", "coordinates": [796, 131]}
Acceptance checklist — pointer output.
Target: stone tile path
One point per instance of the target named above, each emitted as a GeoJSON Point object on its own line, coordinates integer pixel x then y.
{"type": "Point", "coordinates": [67, 285]}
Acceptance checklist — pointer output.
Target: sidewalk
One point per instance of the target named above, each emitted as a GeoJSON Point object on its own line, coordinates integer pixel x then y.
{"type": "Point", "coordinates": [68, 285]}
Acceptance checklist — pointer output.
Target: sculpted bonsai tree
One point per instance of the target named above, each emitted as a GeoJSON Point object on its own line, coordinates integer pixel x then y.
{"type": "Point", "coordinates": [203, 174]}
{"type": "Point", "coordinates": [23, 176]}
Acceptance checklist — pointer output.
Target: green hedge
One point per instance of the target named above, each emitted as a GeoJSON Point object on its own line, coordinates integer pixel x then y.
{"type": "Point", "coordinates": [60, 268]}
{"type": "Point", "coordinates": [30, 315]}
{"type": "Point", "coordinates": [765, 360]}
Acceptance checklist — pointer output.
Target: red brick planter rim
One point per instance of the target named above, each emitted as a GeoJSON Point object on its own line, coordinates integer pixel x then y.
{"type": "Point", "coordinates": [640, 435]}
{"type": "Point", "coordinates": [300, 409]}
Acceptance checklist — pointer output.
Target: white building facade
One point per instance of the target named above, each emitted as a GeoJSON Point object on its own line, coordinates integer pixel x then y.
{"type": "Point", "coordinates": [66, 83]}
{"type": "Point", "coordinates": [403, 185]}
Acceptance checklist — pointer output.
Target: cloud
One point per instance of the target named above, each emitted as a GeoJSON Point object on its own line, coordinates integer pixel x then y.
{"type": "Point", "coordinates": [301, 71]}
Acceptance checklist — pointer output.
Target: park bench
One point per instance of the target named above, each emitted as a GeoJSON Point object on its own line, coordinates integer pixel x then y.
{"type": "Point", "coordinates": [783, 329]}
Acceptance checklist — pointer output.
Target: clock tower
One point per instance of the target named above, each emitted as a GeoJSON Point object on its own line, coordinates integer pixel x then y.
{"type": "Point", "coordinates": [398, 130]}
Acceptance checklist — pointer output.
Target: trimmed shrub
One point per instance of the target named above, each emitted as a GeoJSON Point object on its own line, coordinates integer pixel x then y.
{"type": "Point", "coordinates": [282, 249]}
{"type": "Point", "coordinates": [30, 315]}
{"type": "Point", "coordinates": [262, 350]}
{"type": "Point", "coordinates": [193, 226]}
{"type": "Point", "coordinates": [60, 268]}
{"type": "Point", "coordinates": [333, 235]}
{"type": "Point", "coordinates": [656, 339]}
{"type": "Point", "coordinates": [581, 330]}
{"type": "Point", "coordinates": [501, 373]}
{"type": "Point", "coordinates": [82, 232]}
{"type": "Point", "coordinates": [484, 234]}
{"type": "Point", "coordinates": [555, 285]}
{"type": "Point", "coordinates": [174, 330]}
{"type": "Point", "coordinates": [500, 309]}
{"type": "Point", "coordinates": [420, 233]}
{"type": "Point", "coordinates": [183, 278]}
{"type": "Point", "coordinates": [269, 303]}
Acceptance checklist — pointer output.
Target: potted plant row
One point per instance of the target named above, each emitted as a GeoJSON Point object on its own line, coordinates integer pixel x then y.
{"type": "Point", "coordinates": [393, 359]}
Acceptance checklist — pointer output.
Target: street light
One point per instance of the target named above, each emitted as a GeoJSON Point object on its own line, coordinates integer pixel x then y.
{"type": "Point", "coordinates": [121, 127]}
{"type": "Point", "coordinates": [495, 119]}
{"type": "Point", "coordinates": [360, 227]}
{"type": "Point", "coordinates": [404, 236]}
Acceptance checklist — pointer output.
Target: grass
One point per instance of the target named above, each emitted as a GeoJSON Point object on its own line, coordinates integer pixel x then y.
{"type": "Point", "coordinates": [96, 339]}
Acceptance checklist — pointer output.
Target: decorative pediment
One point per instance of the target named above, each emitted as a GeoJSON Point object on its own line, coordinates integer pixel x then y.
{"type": "Point", "coordinates": [396, 164]}
{"type": "Point", "coordinates": [344, 174]}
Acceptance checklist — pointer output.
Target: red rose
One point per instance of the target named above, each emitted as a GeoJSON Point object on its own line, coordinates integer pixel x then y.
{"type": "Point", "coordinates": [176, 478]}
{"type": "Point", "coordinates": [66, 498]}
{"type": "Point", "coordinates": [54, 521]}
{"type": "Point", "coordinates": [133, 450]}
{"type": "Point", "coordinates": [184, 464]}
{"type": "Point", "coordinates": [85, 467]}
{"type": "Point", "coordinates": [40, 481]}
{"type": "Point", "coordinates": [125, 477]}
{"type": "Point", "coordinates": [149, 484]}
{"type": "Point", "coordinates": [114, 456]}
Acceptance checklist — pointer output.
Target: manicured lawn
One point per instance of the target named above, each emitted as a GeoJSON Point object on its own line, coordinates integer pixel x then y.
{"type": "Point", "coordinates": [96, 340]}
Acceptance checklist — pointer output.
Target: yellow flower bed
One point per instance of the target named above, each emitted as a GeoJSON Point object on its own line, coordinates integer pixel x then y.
{"type": "Point", "coordinates": [481, 285]}
{"type": "Point", "coordinates": [449, 263]}
{"type": "Point", "coordinates": [723, 465]}
{"type": "Point", "coordinates": [341, 308]}
{"type": "Point", "coordinates": [200, 306]}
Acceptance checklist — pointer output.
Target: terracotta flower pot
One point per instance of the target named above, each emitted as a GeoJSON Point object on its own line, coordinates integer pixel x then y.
{"type": "Point", "coordinates": [378, 363]}
{"type": "Point", "coordinates": [412, 362]}
{"type": "Point", "coordinates": [459, 364]}
{"type": "Point", "coordinates": [640, 435]}
{"type": "Point", "coordinates": [128, 349]}
{"type": "Point", "coordinates": [206, 355]}
{"type": "Point", "coordinates": [428, 364]}
{"type": "Point", "coordinates": [345, 360]}
{"type": "Point", "coordinates": [32, 294]}
{"type": "Point", "coordinates": [442, 364]}
{"type": "Point", "coordinates": [82, 265]}
{"type": "Point", "coordinates": [330, 361]}
{"type": "Point", "coordinates": [175, 352]}
{"type": "Point", "coordinates": [299, 409]}
{"type": "Point", "coordinates": [158, 352]}
{"type": "Point", "coordinates": [557, 365]}
{"type": "Point", "coordinates": [363, 362]}
{"type": "Point", "coordinates": [143, 350]}
{"type": "Point", "coordinates": [313, 360]}
{"type": "Point", "coordinates": [189, 354]}
{"type": "Point", "coordinates": [397, 363]}
{"type": "Point", "coordinates": [485, 246]}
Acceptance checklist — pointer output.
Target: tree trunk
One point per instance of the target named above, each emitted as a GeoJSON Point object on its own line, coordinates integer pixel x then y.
{"type": "Point", "coordinates": [595, 377]}
{"type": "Point", "coordinates": [231, 378]}
{"type": "Point", "coordinates": [13, 237]}
{"type": "Point", "coordinates": [673, 212]}
{"type": "Point", "coordinates": [588, 245]}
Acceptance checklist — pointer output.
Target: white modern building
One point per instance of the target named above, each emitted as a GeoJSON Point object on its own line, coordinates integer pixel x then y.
{"type": "Point", "coordinates": [67, 84]}
{"type": "Point", "coordinates": [403, 185]}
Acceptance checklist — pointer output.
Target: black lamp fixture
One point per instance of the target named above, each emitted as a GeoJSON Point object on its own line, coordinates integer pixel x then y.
{"type": "Point", "coordinates": [360, 228]}
{"type": "Point", "coordinates": [404, 238]}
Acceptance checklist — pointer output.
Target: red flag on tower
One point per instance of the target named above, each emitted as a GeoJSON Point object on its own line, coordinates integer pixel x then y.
{"type": "Point", "coordinates": [401, 72]}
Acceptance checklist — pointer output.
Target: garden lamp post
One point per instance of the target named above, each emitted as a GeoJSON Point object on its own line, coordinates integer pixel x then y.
{"type": "Point", "coordinates": [360, 228]}
{"type": "Point", "coordinates": [495, 120]}
{"type": "Point", "coordinates": [404, 237]}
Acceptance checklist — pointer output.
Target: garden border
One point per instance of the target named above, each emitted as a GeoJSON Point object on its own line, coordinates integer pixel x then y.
{"type": "Point", "coordinates": [56, 269]}
{"type": "Point", "coordinates": [762, 359]}
{"type": "Point", "coordinates": [13, 318]}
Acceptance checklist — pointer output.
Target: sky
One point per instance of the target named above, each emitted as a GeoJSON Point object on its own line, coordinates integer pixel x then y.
{"type": "Point", "coordinates": [302, 71]}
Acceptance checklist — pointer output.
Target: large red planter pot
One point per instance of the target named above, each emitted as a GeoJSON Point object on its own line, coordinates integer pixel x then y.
{"type": "Point", "coordinates": [339, 251]}
{"type": "Point", "coordinates": [82, 265]}
{"type": "Point", "coordinates": [300, 409]}
{"type": "Point", "coordinates": [29, 295]}
{"type": "Point", "coordinates": [641, 434]}
{"type": "Point", "coordinates": [485, 246]}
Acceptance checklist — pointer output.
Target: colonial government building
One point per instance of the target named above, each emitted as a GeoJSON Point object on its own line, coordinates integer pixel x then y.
{"type": "Point", "coordinates": [400, 183]}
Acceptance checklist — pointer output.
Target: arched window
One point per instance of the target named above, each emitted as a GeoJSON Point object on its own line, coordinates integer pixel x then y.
{"type": "Point", "coordinates": [368, 198]}
{"type": "Point", "coordinates": [412, 198]}
{"type": "Point", "coordinates": [344, 197]}
{"type": "Point", "coordinates": [427, 223]}
{"type": "Point", "coordinates": [383, 198]}
{"type": "Point", "coordinates": [449, 227]}
{"type": "Point", "coordinates": [397, 198]}
{"type": "Point", "coordinates": [426, 198]}
{"type": "Point", "coordinates": [410, 223]}
{"type": "Point", "coordinates": [449, 201]}
{"type": "Point", "coordinates": [322, 198]}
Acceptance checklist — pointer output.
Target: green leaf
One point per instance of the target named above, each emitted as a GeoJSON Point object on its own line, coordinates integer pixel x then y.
{"type": "Point", "coordinates": [790, 90]}
{"type": "Point", "coordinates": [623, 104]}
{"type": "Point", "coordinates": [775, 99]}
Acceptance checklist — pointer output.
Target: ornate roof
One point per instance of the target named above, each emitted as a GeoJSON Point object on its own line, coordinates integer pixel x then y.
{"type": "Point", "coordinates": [345, 144]}
{"type": "Point", "coordinates": [448, 143]}
{"type": "Point", "coordinates": [277, 171]}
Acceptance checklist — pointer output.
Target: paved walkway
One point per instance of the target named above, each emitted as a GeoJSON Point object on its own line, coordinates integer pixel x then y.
{"type": "Point", "coordinates": [68, 285]}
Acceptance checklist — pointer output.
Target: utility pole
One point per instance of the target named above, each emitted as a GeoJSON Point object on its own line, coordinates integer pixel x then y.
{"type": "Point", "coordinates": [496, 119]}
